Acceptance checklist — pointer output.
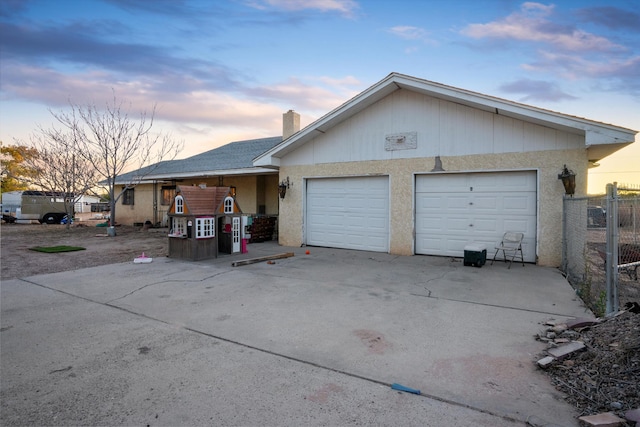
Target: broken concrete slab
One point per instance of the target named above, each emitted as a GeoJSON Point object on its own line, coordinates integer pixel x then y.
{"type": "Point", "coordinates": [633, 415]}
{"type": "Point", "coordinates": [581, 322]}
{"type": "Point", "coordinates": [566, 349]}
{"type": "Point", "coordinates": [606, 419]}
{"type": "Point", "coordinates": [545, 362]}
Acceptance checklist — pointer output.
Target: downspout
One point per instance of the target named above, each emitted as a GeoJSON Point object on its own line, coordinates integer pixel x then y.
{"type": "Point", "coordinates": [155, 202]}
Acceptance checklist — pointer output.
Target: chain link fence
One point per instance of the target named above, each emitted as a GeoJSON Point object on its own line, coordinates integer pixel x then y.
{"type": "Point", "coordinates": [596, 231]}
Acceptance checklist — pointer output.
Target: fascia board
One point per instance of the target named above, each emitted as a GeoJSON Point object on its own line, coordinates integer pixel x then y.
{"type": "Point", "coordinates": [595, 132]}
{"type": "Point", "coordinates": [203, 174]}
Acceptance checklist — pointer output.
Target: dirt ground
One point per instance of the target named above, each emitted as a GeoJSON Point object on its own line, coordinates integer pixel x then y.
{"type": "Point", "coordinates": [17, 260]}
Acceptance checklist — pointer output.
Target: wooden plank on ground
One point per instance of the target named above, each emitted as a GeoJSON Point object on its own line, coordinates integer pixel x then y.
{"type": "Point", "coordinates": [262, 258]}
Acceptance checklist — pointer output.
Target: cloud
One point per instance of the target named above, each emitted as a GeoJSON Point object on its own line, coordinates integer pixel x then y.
{"type": "Point", "coordinates": [567, 51]}
{"type": "Point", "coordinates": [532, 24]}
{"type": "Point", "coordinates": [80, 46]}
{"type": "Point", "coordinates": [408, 32]}
{"type": "Point", "coordinates": [341, 82]}
{"type": "Point", "coordinates": [317, 98]}
{"type": "Point", "coordinates": [255, 109]}
{"type": "Point", "coordinates": [622, 74]}
{"type": "Point", "coordinates": [611, 17]}
{"type": "Point", "coordinates": [536, 90]}
{"type": "Point", "coordinates": [344, 7]}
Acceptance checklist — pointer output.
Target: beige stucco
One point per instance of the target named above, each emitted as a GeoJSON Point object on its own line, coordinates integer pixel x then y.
{"type": "Point", "coordinates": [401, 172]}
{"type": "Point", "coordinates": [252, 191]}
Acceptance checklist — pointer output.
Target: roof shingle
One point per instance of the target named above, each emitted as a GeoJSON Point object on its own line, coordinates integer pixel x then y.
{"type": "Point", "coordinates": [235, 155]}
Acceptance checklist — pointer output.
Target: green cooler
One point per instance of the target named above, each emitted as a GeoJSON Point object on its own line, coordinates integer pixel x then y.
{"type": "Point", "coordinates": [475, 254]}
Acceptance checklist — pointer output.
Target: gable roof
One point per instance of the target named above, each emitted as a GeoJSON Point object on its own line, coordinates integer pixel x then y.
{"type": "Point", "coordinates": [234, 158]}
{"type": "Point", "coordinates": [201, 201]}
{"type": "Point", "coordinates": [601, 139]}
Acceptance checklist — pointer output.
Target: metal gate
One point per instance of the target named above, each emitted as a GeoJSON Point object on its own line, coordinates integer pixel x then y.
{"type": "Point", "coordinates": [601, 246]}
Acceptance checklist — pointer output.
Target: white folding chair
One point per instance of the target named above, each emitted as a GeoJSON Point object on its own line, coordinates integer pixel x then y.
{"type": "Point", "coordinates": [511, 246]}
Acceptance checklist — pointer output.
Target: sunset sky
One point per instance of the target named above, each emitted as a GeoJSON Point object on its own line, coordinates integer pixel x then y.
{"type": "Point", "coordinates": [227, 70]}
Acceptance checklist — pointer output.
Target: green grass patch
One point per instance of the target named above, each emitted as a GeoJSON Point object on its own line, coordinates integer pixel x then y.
{"type": "Point", "coordinates": [56, 249]}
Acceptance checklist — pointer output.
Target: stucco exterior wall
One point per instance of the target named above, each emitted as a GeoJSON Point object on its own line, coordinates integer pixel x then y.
{"type": "Point", "coordinates": [140, 211]}
{"type": "Point", "coordinates": [401, 172]}
{"type": "Point", "coordinates": [248, 188]}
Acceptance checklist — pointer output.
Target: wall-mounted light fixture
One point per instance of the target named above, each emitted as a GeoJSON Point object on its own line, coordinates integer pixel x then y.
{"type": "Point", "coordinates": [282, 187]}
{"type": "Point", "coordinates": [568, 178]}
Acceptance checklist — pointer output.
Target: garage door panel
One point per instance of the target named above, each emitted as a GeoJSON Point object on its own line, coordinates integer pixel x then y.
{"type": "Point", "coordinates": [429, 244]}
{"type": "Point", "coordinates": [484, 225]}
{"type": "Point", "coordinates": [521, 202]}
{"type": "Point", "coordinates": [350, 213]}
{"type": "Point", "coordinates": [525, 225]}
{"type": "Point", "coordinates": [484, 202]}
{"type": "Point", "coordinates": [476, 207]}
{"type": "Point", "coordinates": [457, 203]}
{"type": "Point", "coordinates": [430, 203]}
{"type": "Point", "coordinates": [453, 243]}
{"type": "Point", "coordinates": [426, 224]}
{"type": "Point", "coordinates": [454, 225]}
{"type": "Point", "coordinates": [443, 184]}
{"type": "Point", "coordinates": [495, 182]}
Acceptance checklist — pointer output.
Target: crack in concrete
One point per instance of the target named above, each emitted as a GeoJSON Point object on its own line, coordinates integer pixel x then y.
{"type": "Point", "coordinates": [168, 281]}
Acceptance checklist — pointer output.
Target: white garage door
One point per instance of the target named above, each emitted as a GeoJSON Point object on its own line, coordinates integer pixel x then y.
{"type": "Point", "coordinates": [348, 213]}
{"type": "Point", "coordinates": [453, 210]}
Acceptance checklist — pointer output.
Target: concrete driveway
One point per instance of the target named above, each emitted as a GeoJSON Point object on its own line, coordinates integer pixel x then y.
{"type": "Point", "coordinates": [310, 340]}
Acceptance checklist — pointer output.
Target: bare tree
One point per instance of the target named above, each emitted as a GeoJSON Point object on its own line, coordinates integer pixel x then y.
{"type": "Point", "coordinates": [58, 168]}
{"type": "Point", "coordinates": [115, 143]}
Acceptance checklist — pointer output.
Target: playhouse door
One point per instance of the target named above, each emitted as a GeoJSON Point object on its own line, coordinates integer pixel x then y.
{"type": "Point", "coordinates": [235, 232]}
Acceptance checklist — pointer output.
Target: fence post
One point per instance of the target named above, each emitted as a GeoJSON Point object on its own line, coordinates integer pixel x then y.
{"type": "Point", "coordinates": [612, 248]}
{"type": "Point", "coordinates": [565, 251]}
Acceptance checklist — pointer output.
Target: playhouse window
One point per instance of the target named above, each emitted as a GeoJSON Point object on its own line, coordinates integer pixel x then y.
{"type": "Point", "coordinates": [179, 205]}
{"type": "Point", "coordinates": [205, 228]}
{"type": "Point", "coordinates": [228, 205]}
{"type": "Point", "coordinates": [179, 227]}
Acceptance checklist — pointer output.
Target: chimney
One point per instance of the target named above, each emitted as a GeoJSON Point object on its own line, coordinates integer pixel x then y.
{"type": "Point", "coordinates": [290, 124]}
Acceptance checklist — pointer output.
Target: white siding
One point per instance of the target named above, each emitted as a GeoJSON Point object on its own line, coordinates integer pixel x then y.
{"type": "Point", "coordinates": [443, 129]}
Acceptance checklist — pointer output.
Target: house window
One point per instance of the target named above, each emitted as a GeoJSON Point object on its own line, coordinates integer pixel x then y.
{"type": "Point", "coordinates": [228, 205]}
{"type": "Point", "coordinates": [167, 195]}
{"type": "Point", "coordinates": [127, 196]}
{"type": "Point", "coordinates": [178, 227]}
{"type": "Point", "coordinates": [179, 205]}
{"type": "Point", "coordinates": [205, 228]}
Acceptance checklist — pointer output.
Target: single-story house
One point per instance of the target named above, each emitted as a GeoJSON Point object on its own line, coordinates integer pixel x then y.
{"type": "Point", "coordinates": [410, 166]}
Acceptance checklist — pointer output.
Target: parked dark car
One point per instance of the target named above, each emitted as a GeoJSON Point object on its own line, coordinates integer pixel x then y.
{"type": "Point", "coordinates": [596, 216]}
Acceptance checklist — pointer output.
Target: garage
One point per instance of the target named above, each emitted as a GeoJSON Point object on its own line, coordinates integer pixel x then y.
{"type": "Point", "coordinates": [453, 210]}
{"type": "Point", "coordinates": [348, 213]}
